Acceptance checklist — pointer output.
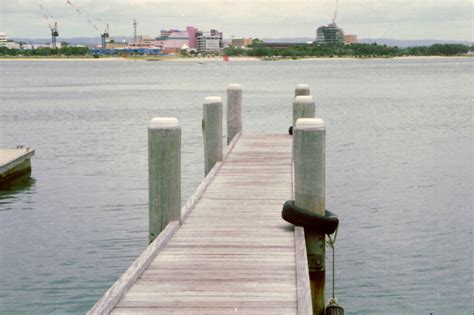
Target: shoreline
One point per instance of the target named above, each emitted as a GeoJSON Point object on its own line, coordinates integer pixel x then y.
{"type": "Point", "coordinates": [218, 58]}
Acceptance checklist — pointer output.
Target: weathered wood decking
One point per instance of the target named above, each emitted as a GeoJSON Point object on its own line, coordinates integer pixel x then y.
{"type": "Point", "coordinates": [233, 253]}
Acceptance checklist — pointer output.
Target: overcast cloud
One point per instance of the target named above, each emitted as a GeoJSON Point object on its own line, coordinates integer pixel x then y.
{"type": "Point", "coordinates": [398, 19]}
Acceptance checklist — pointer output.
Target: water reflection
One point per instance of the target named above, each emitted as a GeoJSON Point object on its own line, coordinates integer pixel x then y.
{"type": "Point", "coordinates": [19, 185]}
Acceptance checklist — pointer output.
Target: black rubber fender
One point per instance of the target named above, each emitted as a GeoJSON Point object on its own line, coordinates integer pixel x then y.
{"type": "Point", "coordinates": [326, 224]}
{"type": "Point", "coordinates": [290, 130]}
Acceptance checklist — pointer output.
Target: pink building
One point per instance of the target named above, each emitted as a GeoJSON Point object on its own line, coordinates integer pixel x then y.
{"type": "Point", "coordinates": [192, 36]}
{"type": "Point", "coordinates": [172, 40]}
{"type": "Point", "coordinates": [176, 39]}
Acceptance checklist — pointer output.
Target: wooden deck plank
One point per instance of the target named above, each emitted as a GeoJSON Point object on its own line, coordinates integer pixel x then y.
{"type": "Point", "coordinates": [209, 296]}
{"type": "Point", "coordinates": [196, 303]}
{"type": "Point", "coordinates": [230, 265]}
{"type": "Point", "coordinates": [203, 310]}
{"type": "Point", "coordinates": [213, 286]}
{"type": "Point", "coordinates": [258, 259]}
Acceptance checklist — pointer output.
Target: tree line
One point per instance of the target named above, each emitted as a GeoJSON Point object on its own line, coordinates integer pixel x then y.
{"type": "Point", "coordinates": [259, 49]}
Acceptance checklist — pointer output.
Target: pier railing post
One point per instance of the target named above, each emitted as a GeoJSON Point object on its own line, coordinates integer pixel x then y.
{"type": "Point", "coordinates": [164, 173]}
{"type": "Point", "coordinates": [303, 107]}
{"type": "Point", "coordinates": [309, 168]}
{"type": "Point", "coordinates": [234, 111]}
{"type": "Point", "coordinates": [212, 132]}
{"type": "Point", "coordinates": [302, 89]}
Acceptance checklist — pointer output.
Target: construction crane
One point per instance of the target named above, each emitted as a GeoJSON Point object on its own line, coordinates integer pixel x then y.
{"type": "Point", "coordinates": [335, 13]}
{"type": "Point", "coordinates": [105, 36]}
{"type": "Point", "coordinates": [83, 13]}
{"type": "Point", "coordinates": [52, 24]}
{"type": "Point", "coordinates": [54, 34]}
{"type": "Point", "coordinates": [92, 21]}
{"type": "Point", "coordinates": [135, 31]}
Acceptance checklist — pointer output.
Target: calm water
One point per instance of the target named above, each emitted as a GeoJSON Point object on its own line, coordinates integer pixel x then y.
{"type": "Point", "coordinates": [400, 172]}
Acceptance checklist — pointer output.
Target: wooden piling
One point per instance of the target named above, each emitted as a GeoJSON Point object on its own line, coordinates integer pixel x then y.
{"type": "Point", "coordinates": [164, 173]}
{"type": "Point", "coordinates": [234, 111]}
{"type": "Point", "coordinates": [303, 107]}
{"type": "Point", "coordinates": [302, 89]}
{"type": "Point", "coordinates": [309, 138]}
{"type": "Point", "coordinates": [212, 132]}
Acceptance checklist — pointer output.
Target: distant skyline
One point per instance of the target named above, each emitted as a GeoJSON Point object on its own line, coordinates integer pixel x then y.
{"type": "Point", "coordinates": [398, 19]}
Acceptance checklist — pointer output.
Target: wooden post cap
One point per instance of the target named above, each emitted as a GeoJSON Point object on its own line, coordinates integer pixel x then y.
{"type": "Point", "coordinates": [302, 86]}
{"type": "Point", "coordinates": [302, 89]}
{"type": "Point", "coordinates": [164, 123]}
{"type": "Point", "coordinates": [234, 86]}
{"type": "Point", "coordinates": [212, 99]}
{"type": "Point", "coordinates": [304, 99]}
{"type": "Point", "coordinates": [310, 124]}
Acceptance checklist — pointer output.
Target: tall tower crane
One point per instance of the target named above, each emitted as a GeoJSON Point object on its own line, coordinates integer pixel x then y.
{"type": "Point", "coordinates": [335, 13]}
{"type": "Point", "coordinates": [54, 34]}
{"type": "Point", "coordinates": [52, 24]}
{"type": "Point", "coordinates": [105, 36]}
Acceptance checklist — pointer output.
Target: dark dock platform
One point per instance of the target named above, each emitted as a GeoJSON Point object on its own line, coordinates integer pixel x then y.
{"type": "Point", "coordinates": [14, 162]}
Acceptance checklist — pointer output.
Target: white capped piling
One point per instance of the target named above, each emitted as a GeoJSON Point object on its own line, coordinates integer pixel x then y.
{"type": "Point", "coordinates": [309, 137]}
{"type": "Point", "coordinates": [302, 89]}
{"type": "Point", "coordinates": [164, 173]}
{"type": "Point", "coordinates": [212, 132]}
{"type": "Point", "coordinates": [303, 107]}
{"type": "Point", "coordinates": [234, 111]}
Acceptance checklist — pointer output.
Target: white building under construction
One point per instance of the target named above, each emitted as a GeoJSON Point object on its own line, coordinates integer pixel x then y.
{"type": "Point", "coordinates": [332, 34]}
{"type": "Point", "coordinates": [3, 40]}
{"type": "Point", "coordinates": [329, 34]}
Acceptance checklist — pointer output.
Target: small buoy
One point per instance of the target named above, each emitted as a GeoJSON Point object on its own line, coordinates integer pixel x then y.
{"type": "Point", "coordinates": [333, 308]}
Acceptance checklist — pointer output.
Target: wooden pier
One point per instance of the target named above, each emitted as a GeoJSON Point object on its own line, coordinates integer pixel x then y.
{"type": "Point", "coordinates": [233, 252]}
{"type": "Point", "coordinates": [14, 162]}
{"type": "Point", "coordinates": [228, 250]}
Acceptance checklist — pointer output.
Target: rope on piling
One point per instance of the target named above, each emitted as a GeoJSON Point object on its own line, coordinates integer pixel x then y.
{"type": "Point", "coordinates": [324, 224]}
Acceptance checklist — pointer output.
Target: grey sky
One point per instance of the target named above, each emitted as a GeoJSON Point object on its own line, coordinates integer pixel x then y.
{"type": "Point", "coordinates": [398, 19]}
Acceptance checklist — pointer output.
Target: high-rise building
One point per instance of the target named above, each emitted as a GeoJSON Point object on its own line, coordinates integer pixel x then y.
{"type": "Point", "coordinates": [221, 38]}
{"type": "Point", "coordinates": [329, 34]}
{"type": "Point", "coordinates": [209, 42]}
